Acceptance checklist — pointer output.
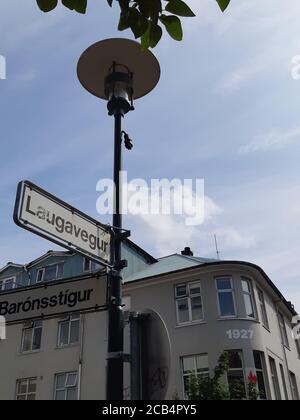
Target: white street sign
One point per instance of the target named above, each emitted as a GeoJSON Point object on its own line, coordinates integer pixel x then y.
{"type": "Point", "coordinates": [80, 294]}
{"type": "Point", "coordinates": [45, 215]}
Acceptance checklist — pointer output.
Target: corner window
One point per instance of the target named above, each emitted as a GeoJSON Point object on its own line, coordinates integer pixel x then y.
{"type": "Point", "coordinates": [49, 273]}
{"type": "Point", "coordinates": [31, 336]}
{"type": "Point", "coordinates": [193, 366]}
{"type": "Point", "coordinates": [248, 298]}
{"type": "Point", "coordinates": [263, 309]}
{"type": "Point", "coordinates": [68, 330]}
{"type": "Point", "coordinates": [236, 375]}
{"type": "Point", "coordinates": [7, 284]}
{"type": "Point", "coordinates": [283, 332]}
{"type": "Point", "coordinates": [26, 389]}
{"type": "Point", "coordinates": [225, 297]}
{"type": "Point", "coordinates": [189, 306]}
{"type": "Point", "coordinates": [66, 386]}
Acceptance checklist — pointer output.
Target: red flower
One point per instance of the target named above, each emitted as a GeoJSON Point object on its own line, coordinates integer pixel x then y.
{"type": "Point", "coordinates": [252, 378]}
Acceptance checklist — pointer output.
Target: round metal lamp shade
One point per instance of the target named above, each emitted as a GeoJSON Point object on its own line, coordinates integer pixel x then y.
{"type": "Point", "coordinates": [95, 62]}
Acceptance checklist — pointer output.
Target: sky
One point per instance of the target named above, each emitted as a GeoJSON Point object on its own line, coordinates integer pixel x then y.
{"type": "Point", "coordinates": [226, 109]}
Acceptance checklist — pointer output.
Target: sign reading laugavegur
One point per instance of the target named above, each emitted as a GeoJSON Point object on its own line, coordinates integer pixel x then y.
{"type": "Point", "coordinates": [41, 213]}
{"type": "Point", "coordinates": [53, 298]}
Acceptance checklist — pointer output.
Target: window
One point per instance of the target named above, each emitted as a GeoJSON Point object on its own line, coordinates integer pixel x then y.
{"type": "Point", "coordinates": [274, 377]}
{"type": "Point", "coordinates": [283, 381]}
{"type": "Point", "coordinates": [49, 273]}
{"type": "Point", "coordinates": [89, 265]}
{"type": "Point", "coordinates": [7, 284]}
{"type": "Point", "coordinates": [284, 337]}
{"type": "Point", "coordinates": [294, 386]}
{"type": "Point", "coordinates": [259, 361]}
{"type": "Point", "coordinates": [263, 309]}
{"type": "Point", "coordinates": [68, 330]}
{"type": "Point", "coordinates": [235, 375]}
{"type": "Point", "coordinates": [66, 386]}
{"type": "Point", "coordinates": [189, 303]}
{"type": "Point", "coordinates": [193, 365]}
{"type": "Point", "coordinates": [26, 389]}
{"type": "Point", "coordinates": [225, 297]}
{"type": "Point", "coordinates": [298, 347]}
{"type": "Point", "coordinates": [248, 298]}
{"type": "Point", "coordinates": [32, 336]}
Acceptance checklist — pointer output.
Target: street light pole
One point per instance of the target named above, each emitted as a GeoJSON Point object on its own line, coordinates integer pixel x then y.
{"type": "Point", "coordinates": [118, 71]}
{"type": "Point", "coordinates": [114, 374]}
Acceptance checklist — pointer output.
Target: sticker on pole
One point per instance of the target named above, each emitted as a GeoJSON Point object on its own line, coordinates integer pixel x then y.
{"type": "Point", "coordinates": [41, 213]}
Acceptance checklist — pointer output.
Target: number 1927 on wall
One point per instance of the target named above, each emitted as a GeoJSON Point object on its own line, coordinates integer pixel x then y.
{"type": "Point", "coordinates": [240, 334]}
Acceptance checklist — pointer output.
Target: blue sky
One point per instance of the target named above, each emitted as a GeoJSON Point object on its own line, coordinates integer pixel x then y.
{"type": "Point", "coordinates": [226, 110]}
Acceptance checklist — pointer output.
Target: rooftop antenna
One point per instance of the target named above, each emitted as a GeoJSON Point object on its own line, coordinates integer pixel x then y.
{"type": "Point", "coordinates": [217, 249]}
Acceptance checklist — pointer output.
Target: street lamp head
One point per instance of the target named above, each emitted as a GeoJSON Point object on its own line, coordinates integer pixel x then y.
{"type": "Point", "coordinates": [117, 70]}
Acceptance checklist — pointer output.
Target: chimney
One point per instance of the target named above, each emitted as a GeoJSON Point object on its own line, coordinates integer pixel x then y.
{"type": "Point", "coordinates": [187, 251]}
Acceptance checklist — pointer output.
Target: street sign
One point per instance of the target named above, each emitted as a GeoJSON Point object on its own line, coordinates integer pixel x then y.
{"type": "Point", "coordinates": [49, 217]}
{"type": "Point", "coordinates": [56, 298]}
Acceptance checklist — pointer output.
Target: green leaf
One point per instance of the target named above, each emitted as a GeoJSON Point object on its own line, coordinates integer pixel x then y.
{"type": "Point", "coordinates": [173, 26]}
{"type": "Point", "coordinates": [47, 5]}
{"type": "Point", "coordinates": [123, 22]}
{"type": "Point", "coordinates": [110, 2]}
{"type": "Point", "coordinates": [77, 5]}
{"type": "Point", "coordinates": [155, 34]}
{"type": "Point", "coordinates": [137, 22]}
{"type": "Point", "coordinates": [145, 38]}
{"type": "Point", "coordinates": [144, 7]}
{"type": "Point", "coordinates": [180, 8]}
{"type": "Point", "coordinates": [223, 4]}
{"type": "Point", "coordinates": [155, 10]}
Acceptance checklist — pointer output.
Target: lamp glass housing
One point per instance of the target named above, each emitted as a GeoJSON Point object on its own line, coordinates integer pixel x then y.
{"type": "Point", "coordinates": [118, 86]}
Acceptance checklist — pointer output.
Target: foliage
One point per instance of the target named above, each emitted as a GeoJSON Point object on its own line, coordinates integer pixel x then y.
{"type": "Point", "coordinates": [253, 391]}
{"type": "Point", "coordinates": [145, 18]}
{"type": "Point", "coordinates": [206, 388]}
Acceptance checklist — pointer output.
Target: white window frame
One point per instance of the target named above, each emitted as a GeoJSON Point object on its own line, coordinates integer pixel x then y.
{"type": "Point", "coordinates": [31, 326]}
{"type": "Point", "coordinates": [263, 308]}
{"type": "Point", "coordinates": [66, 388]}
{"type": "Point", "coordinates": [294, 386]}
{"type": "Point", "coordinates": [188, 296]}
{"type": "Point", "coordinates": [70, 320]}
{"type": "Point", "coordinates": [85, 259]}
{"type": "Point", "coordinates": [43, 270]}
{"type": "Point", "coordinates": [194, 372]}
{"type": "Point", "coordinates": [6, 280]}
{"type": "Point", "coordinates": [275, 379]}
{"type": "Point", "coordinates": [27, 388]}
{"type": "Point", "coordinates": [238, 369]}
{"type": "Point", "coordinates": [262, 370]}
{"type": "Point", "coordinates": [232, 290]}
{"type": "Point", "coordinates": [283, 330]}
{"type": "Point", "coordinates": [283, 381]}
{"type": "Point", "coordinates": [251, 295]}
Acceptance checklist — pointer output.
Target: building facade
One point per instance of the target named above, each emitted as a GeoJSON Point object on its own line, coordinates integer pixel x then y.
{"type": "Point", "coordinates": [208, 306]}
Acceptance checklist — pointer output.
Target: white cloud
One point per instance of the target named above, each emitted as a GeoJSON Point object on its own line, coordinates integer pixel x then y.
{"type": "Point", "coordinates": [274, 139]}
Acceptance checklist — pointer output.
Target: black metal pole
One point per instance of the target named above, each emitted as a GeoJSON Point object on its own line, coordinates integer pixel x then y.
{"type": "Point", "coordinates": [115, 363]}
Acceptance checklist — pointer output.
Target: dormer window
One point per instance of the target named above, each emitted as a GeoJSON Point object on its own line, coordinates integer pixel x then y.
{"type": "Point", "coordinates": [49, 273]}
{"type": "Point", "coordinates": [8, 284]}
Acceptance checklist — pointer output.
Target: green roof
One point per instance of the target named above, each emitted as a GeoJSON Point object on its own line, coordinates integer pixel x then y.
{"type": "Point", "coordinates": [168, 264]}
